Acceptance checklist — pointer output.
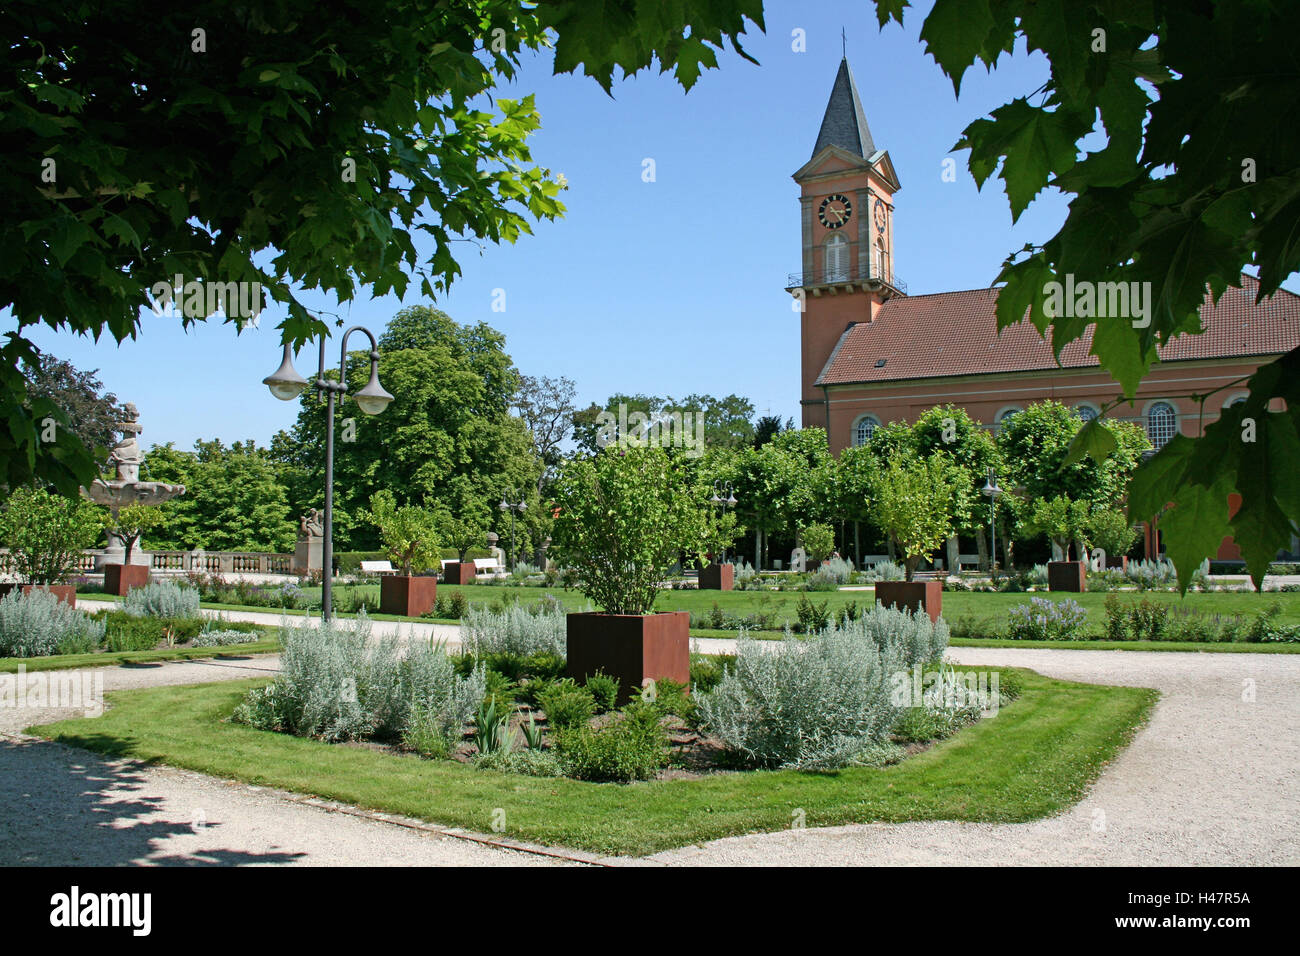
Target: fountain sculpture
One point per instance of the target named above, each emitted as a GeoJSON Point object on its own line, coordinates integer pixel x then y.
{"type": "Point", "coordinates": [127, 489]}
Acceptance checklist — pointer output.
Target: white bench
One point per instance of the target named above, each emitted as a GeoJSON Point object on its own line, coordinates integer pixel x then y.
{"type": "Point", "coordinates": [968, 560]}
{"type": "Point", "coordinates": [378, 567]}
{"type": "Point", "coordinates": [481, 565]}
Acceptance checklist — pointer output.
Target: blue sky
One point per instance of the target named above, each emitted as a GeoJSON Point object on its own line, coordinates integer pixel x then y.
{"type": "Point", "coordinates": [669, 287]}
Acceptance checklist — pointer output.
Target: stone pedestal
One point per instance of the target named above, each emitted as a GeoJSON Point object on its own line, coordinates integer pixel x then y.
{"type": "Point", "coordinates": [1067, 576]}
{"type": "Point", "coordinates": [718, 577]}
{"type": "Point", "coordinates": [912, 596]}
{"type": "Point", "coordinates": [409, 596]}
{"type": "Point", "coordinates": [307, 555]}
{"type": "Point", "coordinates": [120, 578]}
{"type": "Point", "coordinates": [115, 553]}
{"type": "Point", "coordinates": [631, 648]}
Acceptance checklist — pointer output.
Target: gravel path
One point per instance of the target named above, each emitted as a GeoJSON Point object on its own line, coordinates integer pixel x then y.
{"type": "Point", "coordinates": [67, 807]}
{"type": "Point", "coordinates": [1214, 779]}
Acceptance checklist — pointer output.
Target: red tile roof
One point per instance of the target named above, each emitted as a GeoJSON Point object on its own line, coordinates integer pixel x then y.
{"type": "Point", "coordinates": [955, 333]}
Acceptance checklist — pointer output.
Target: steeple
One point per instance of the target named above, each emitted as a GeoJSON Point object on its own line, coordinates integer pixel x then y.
{"type": "Point", "coordinates": [845, 124]}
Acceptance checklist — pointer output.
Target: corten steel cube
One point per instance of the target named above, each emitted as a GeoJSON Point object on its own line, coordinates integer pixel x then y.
{"type": "Point", "coordinates": [718, 577]}
{"type": "Point", "coordinates": [1120, 562]}
{"type": "Point", "coordinates": [407, 595]}
{"type": "Point", "coordinates": [67, 593]}
{"type": "Point", "coordinates": [912, 596]}
{"type": "Point", "coordinates": [458, 572]}
{"type": "Point", "coordinates": [630, 648]}
{"type": "Point", "coordinates": [1067, 576]}
{"type": "Point", "coordinates": [120, 578]}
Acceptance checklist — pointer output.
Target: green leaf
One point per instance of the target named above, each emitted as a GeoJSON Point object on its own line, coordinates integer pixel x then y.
{"type": "Point", "coordinates": [1093, 439]}
{"type": "Point", "coordinates": [954, 34]}
{"type": "Point", "coordinates": [1195, 526]}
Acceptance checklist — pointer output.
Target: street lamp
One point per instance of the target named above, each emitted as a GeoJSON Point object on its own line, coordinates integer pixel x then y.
{"type": "Point", "coordinates": [724, 497]}
{"type": "Point", "coordinates": [993, 492]}
{"type": "Point", "coordinates": [512, 507]}
{"type": "Point", "coordinates": [286, 384]}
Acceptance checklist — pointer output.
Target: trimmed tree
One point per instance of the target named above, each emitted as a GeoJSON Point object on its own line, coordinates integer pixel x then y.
{"type": "Point", "coordinates": [818, 541]}
{"type": "Point", "coordinates": [131, 523]}
{"type": "Point", "coordinates": [626, 517]}
{"type": "Point", "coordinates": [409, 534]}
{"type": "Point", "coordinates": [1063, 520]}
{"type": "Point", "coordinates": [46, 533]}
{"type": "Point", "coordinates": [914, 502]}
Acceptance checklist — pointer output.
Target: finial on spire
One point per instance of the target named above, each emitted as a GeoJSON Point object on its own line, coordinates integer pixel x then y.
{"type": "Point", "coordinates": [844, 44]}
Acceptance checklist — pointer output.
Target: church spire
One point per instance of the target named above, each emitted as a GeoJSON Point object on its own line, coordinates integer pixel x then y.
{"type": "Point", "coordinates": [845, 124]}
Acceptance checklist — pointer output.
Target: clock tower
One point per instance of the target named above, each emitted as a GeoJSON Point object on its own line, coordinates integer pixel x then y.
{"type": "Point", "coordinates": [846, 203]}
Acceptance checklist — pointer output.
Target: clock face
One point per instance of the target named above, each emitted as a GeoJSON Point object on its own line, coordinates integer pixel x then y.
{"type": "Point", "coordinates": [835, 211]}
{"type": "Point", "coordinates": [879, 214]}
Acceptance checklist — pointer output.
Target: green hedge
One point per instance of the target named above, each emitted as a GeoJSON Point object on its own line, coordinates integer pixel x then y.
{"type": "Point", "coordinates": [350, 561]}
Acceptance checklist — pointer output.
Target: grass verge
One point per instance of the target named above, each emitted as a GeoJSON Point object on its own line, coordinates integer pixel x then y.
{"type": "Point", "coordinates": [1036, 758]}
{"type": "Point", "coordinates": [59, 662]}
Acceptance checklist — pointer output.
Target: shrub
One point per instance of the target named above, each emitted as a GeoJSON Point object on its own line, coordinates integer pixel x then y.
{"type": "Point", "coordinates": [1149, 575]}
{"type": "Point", "coordinates": [707, 670]}
{"type": "Point", "coordinates": [823, 579]}
{"type": "Point", "coordinates": [1142, 620]}
{"type": "Point", "coordinates": [162, 599]}
{"type": "Point", "coordinates": [223, 638]}
{"type": "Point", "coordinates": [409, 533]}
{"type": "Point", "coordinates": [633, 746]}
{"type": "Point", "coordinates": [813, 617]}
{"type": "Point", "coordinates": [1110, 530]}
{"type": "Point", "coordinates": [532, 763]}
{"type": "Point", "coordinates": [815, 704]}
{"type": "Point", "coordinates": [1044, 620]}
{"type": "Point", "coordinates": [885, 571]}
{"type": "Point", "coordinates": [336, 685]}
{"type": "Point", "coordinates": [513, 630]}
{"type": "Point", "coordinates": [604, 691]}
{"type": "Point", "coordinates": [566, 704]}
{"type": "Point", "coordinates": [37, 624]}
{"type": "Point", "coordinates": [912, 638]}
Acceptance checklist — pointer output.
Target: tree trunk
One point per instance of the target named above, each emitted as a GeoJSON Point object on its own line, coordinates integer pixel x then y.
{"type": "Point", "coordinates": [954, 555]}
{"type": "Point", "coordinates": [857, 546]}
{"type": "Point", "coordinates": [982, 548]}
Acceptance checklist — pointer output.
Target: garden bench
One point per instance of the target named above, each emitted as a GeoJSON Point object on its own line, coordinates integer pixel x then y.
{"type": "Point", "coordinates": [488, 566]}
{"type": "Point", "coordinates": [378, 567]}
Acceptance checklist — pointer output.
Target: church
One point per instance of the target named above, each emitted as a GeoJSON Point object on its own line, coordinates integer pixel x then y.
{"type": "Point", "coordinates": [872, 354]}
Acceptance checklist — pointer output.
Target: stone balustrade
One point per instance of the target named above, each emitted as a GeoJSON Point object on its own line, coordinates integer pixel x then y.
{"type": "Point", "coordinates": [211, 562]}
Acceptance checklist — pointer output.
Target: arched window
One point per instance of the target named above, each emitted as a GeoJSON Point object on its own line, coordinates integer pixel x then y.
{"type": "Point", "coordinates": [864, 428]}
{"type": "Point", "coordinates": [837, 258]}
{"type": "Point", "coordinates": [1003, 417]}
{"type": "Point", "coordinates": [1162, 423]}
{"type": "Point", "coordinates": [1086, 412]}
{"type": "Point", "coordinates": [882, 261]}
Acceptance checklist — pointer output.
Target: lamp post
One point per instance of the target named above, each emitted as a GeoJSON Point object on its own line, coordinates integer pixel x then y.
{"type": "Point", "coordinates": [286, 384]}
{"type": "Point", "coordinates": [992, 490]}
{"type": "Point", "coordinates": [724, 497]}
{"type": "Point", "coordinates": [512, 507]}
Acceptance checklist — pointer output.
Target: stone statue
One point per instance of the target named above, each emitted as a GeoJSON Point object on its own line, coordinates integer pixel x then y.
{"type": "Point", "coordinates": [126, 488]}
{"type": "Point", "coordinates": [312, 524]}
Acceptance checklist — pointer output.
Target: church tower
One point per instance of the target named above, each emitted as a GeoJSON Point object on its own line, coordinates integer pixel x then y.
{"type": "Point", "coordinates": [846, 205]}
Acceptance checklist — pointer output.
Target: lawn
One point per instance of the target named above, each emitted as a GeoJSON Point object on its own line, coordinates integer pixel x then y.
{"type": "Point", "coordinates": [57, 662]}
{"type": "Point", "coordinates": [1037, 757]}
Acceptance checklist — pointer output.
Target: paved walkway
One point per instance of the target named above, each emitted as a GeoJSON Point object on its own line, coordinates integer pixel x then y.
{"type": "Point", "coordinates": [402, 629]}
{"type": "Point", "coordinates": [1214, 779]}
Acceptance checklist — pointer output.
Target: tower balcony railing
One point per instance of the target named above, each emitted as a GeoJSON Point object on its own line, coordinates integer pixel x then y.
{"type": "Point", "coordinates": [853, 273]}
